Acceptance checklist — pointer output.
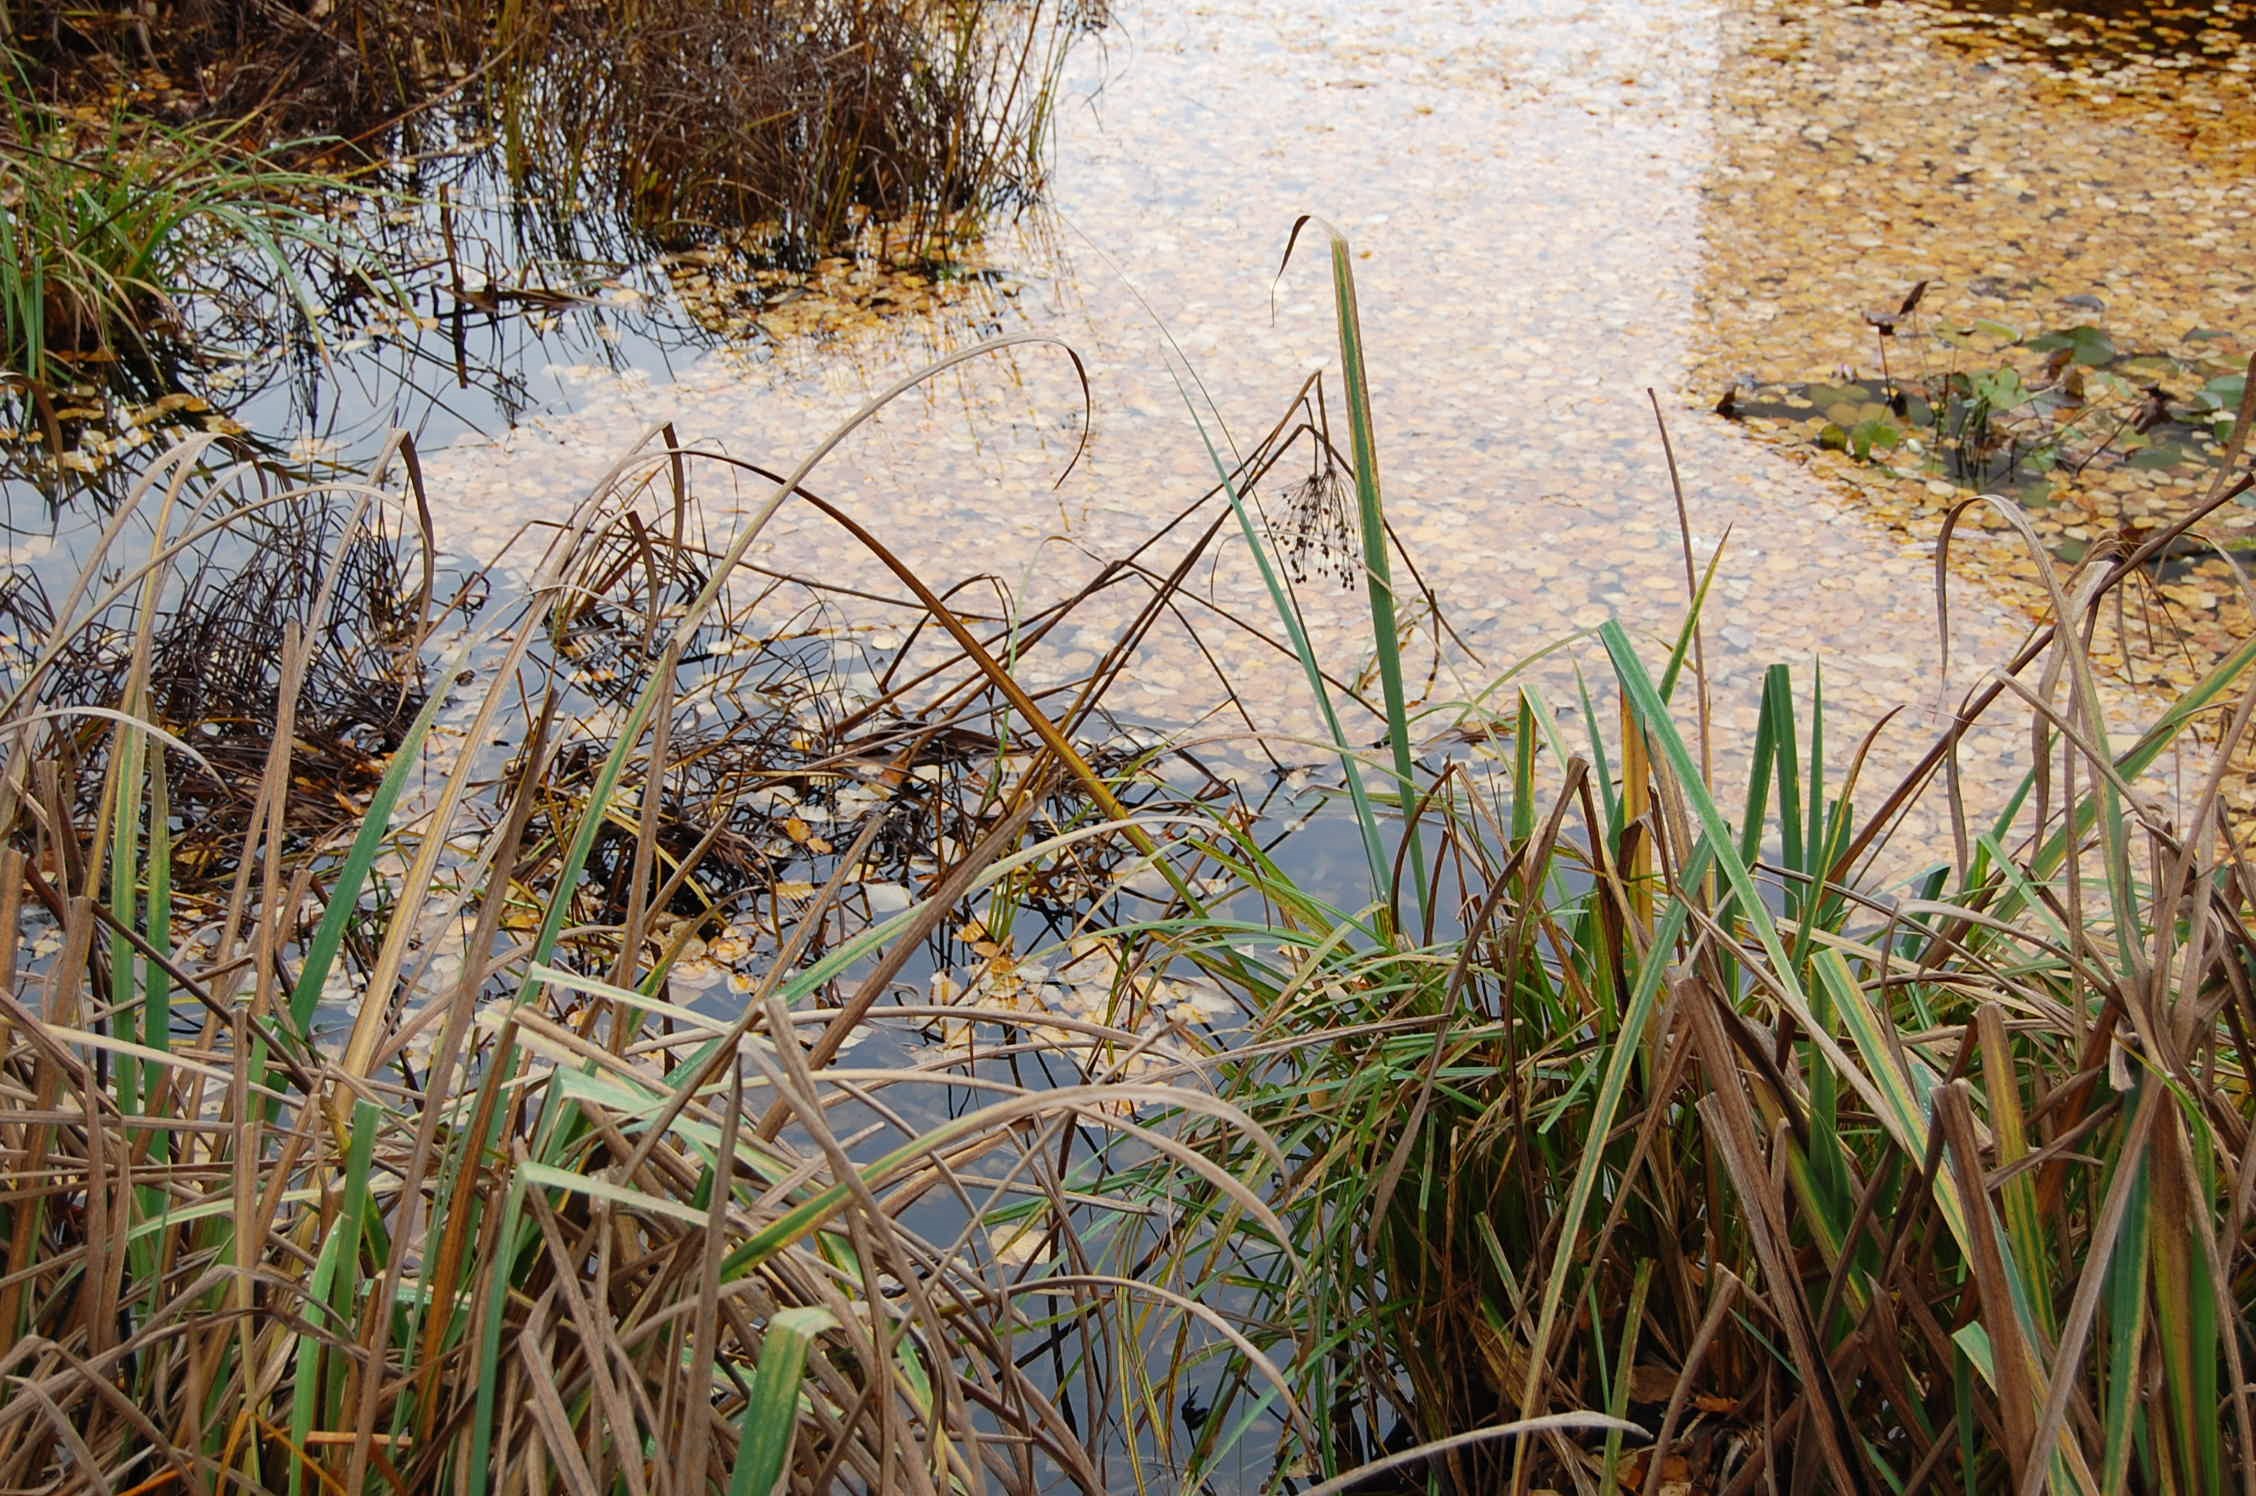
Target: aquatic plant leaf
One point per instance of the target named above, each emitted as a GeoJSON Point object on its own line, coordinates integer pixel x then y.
{"type": "Point", "coordinates": [771, 1409]}
{"type": "Point", "coordinates": [2086, 344]}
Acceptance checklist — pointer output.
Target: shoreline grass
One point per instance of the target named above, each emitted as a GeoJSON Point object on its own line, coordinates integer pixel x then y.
{"type": "Point", "coordinates": [115, 241]}
{"type": "Point", "coordinates": [1613, 1134]}
{"type": "Point", "coordinates": [685, 121]}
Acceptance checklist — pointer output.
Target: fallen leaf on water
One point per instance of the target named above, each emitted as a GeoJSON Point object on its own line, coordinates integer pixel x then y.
{"type": "Point", "coordinates": [1019, 1245]}
{"type": "Point", "coordinates": [802, 834]}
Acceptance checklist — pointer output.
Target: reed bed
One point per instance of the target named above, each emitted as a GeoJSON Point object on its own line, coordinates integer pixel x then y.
{"type": "Point", "coordinates": [796, 120]}
{"type": "Point", "coordinates": [1614, 1136]}
{"type": "Point", "coordinates": [379, 1151]}
{"type": "Point", "coordinates": [127, 244]}
{"type": "Point", "coordinates": [190, 194]}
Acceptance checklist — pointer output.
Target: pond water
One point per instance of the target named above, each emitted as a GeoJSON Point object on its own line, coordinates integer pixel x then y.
{"type": "Point", "coordinates": [2041, 170]}
{"type": "Point", "coordinates": [1556, 206]}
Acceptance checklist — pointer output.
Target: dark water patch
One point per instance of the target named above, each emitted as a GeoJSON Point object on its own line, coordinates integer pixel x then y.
{"type": "Point", "coordinates": [2104, 36]}
{"type": "Point", "coordinates": [440, 304]}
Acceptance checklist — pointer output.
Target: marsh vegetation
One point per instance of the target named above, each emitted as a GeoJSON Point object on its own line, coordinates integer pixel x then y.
{"type": "Point", "coordinates": [612, 1018]}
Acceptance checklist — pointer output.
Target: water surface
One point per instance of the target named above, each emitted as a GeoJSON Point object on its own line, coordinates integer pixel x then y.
{"type": "Point", "coordinates": [1553, 212]}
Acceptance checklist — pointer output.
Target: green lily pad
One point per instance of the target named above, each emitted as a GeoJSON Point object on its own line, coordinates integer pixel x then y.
{"type": "Point", "coordinates": [2092, 347]}
{"type": "Point", "coordinates": [2223, 393]}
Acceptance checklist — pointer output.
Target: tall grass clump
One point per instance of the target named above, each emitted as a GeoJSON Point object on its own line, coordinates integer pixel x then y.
{"type": "Point", "coordinates": [791, 120]}
{"type": "Point", "coordinates": [384, 1151]}
{"type": "Point", "coordinates": [794, 121]}
{"type": "Point", "coordinates": [125, 244]}
{"type": "Point", "coordinates": [1616, 1095]}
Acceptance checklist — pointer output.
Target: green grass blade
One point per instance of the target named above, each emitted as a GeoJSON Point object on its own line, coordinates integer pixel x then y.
{"type": "Point", "coordinates": [344, 891]}
{"type": "Point", "coordinates": [1378, 574]}
{"type": "Point", "coordinates": [771, 1409]}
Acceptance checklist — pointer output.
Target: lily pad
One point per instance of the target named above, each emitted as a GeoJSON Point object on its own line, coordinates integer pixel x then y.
{"type": "Point", "coordinates": [2223, 393]}
{"type": "Point", "coordinates": [2092, 347]}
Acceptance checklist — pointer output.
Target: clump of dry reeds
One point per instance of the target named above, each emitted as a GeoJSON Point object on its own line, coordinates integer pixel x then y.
{"type": "Point", "coordinates": [308, 592]}
{"type": "Point", "coordinates": [795, 118]}
{"type": "Point", "coordinates": [384, 1150]}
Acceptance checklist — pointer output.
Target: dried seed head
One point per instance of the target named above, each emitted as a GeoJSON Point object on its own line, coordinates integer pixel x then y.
{"type": "Point", "coordinates": [1319, 536]}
